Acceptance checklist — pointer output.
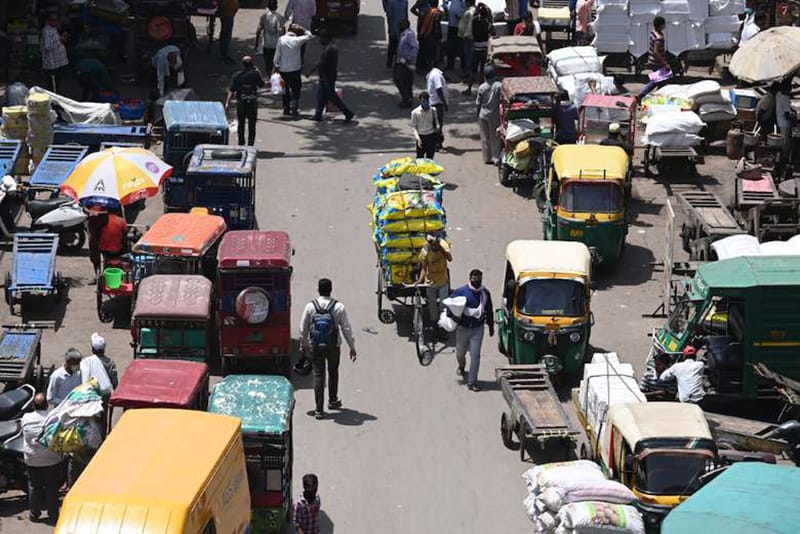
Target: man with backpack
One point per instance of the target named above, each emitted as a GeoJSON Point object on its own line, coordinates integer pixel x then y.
{"type": "Point", "coordinates": [323, 317]}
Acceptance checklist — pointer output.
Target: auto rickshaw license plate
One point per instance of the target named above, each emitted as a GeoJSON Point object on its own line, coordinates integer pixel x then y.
{"type": "Point", "coordinates": [576, 232]}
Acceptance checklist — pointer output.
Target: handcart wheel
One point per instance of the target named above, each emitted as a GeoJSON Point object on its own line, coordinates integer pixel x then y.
{"type": "Point", "coordinates": [384, 316]}
{"type": "Point", "coordinates": [104, 316]}
{"type": "Point", "coordinates": [59, 285]}
{"type": "Point", "coordinates": [523, 442]}
{"type": "Point", "coordinates": [507, 433]}
{"type": "Point", "coordinates": [424, 352]}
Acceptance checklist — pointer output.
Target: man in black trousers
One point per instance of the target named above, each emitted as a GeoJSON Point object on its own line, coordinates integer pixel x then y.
{"type": "Point", "coordinates": [244, 85]}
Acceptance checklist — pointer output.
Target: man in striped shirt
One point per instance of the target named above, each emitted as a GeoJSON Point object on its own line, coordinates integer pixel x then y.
{"type": "Point", "coordinates": [54, 53]}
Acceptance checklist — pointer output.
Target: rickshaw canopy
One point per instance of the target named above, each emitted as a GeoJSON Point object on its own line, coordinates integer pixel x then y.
{"type": "Point", "coordinates": [561, 257]}
{"type": "Point", "coordinates": [646, 420]}
{"type": "Point", "coordinates": [611, 101]}
{"type": "Point", "coordinates": [167, 383]}
{"type": "Point", "coordinates": [181, 234]}
{"type": "Point", "coordinates": [528, 85]}
{"type": "Point", "coordinates": [590, 162]}
{"type": "Point", "coordinates": [514, 44]}
{"type": "Point", "coordinates": [255, 249]}
{"type": "Point", "coordinates": [748, 498]}
{"type": "Point", "coordinates": [264, 403]}
{"type": "Point", "coordinates": [174, 297]}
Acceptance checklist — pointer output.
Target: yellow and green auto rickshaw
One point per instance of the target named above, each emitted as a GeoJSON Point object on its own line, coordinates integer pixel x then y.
{"type": "Point", "coordinates": [586, 198]}
{"type": "Point", "coordinates": [545, 317]}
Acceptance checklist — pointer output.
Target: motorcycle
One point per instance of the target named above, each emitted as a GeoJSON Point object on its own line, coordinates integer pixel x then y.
{"type": "Point", "coordinates": [13, 404]}
{"type": "Point", "coordinates": [61, 215]}
{"type": "Point", "coordinates": [790, 432]}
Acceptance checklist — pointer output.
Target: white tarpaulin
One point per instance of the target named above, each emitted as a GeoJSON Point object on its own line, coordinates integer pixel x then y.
{"type": "Point", "coordinates": [73, 111]}
{"type": "Point", "coordinates": [746, 245]}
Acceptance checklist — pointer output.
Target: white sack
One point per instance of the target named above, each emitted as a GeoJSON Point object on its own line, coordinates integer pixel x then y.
{"type": "Point", "coordinates": [672, 139]}
{"type": "Point", "coordinates": [675, 10]}
{"type": "Point", "coordinates": [81, 112]}
{"type": "Point", "coordinates": [599, 515]}
{"type": "Point", "coordinates": [575, 59]}
{"type": "Point", "coordinates": [447, 322]}
{"type": "Point", "coordinates": [456, 305]}
{"type": "Point", "coordinates": [561, 474]}
{"type": "Point", "coordinates": [674, 122]}
{"type": "Point", "coordinates": [615, 42]}
{"type": "Point", "coordinates": [519, 129]}
{"type": "Point", "coordinates": [749, 28]}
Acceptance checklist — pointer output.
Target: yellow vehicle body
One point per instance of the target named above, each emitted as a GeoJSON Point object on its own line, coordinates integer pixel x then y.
{"type": "Point", "coordinates": [163, 471]}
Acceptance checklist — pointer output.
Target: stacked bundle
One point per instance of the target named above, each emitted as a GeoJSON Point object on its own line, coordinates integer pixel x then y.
{"type": "Point", "coordinates": [674, 129]}
{"type": "Point", "coordinates": [407, 207]}
{"type": "Point", "coordinates": [40, 126]}
{"type": "Point", "coordinates": [565, 496]}
{"type": "Point", "coordinates": [606, 381]}
{"type": "Point", "coordinates": [15, 126]}
{"type": "Point", "coordinates": [706, 98]}
{"type": "Point", "coordinates": [573, 66]}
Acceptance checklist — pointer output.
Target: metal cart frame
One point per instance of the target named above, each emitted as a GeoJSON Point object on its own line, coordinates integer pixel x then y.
{"type": "Point", "coordinates": [33, 269]}
{"type": "Point", "coordinates": [57, 164]}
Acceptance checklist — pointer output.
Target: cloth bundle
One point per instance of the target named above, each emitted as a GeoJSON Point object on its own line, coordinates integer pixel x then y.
{"type": "Point", "coordinates": [599, 516]}
{"type": "Point", "coordinates": [574, 60]}
{"type": "Point", "coordinates": [554, 489]}
{"type": "Point", "coordinates": [40, 126]}
{"type": "Point", "coordinates": [72, 426]}
{"type": "Point", "coordinates": [676, 128]}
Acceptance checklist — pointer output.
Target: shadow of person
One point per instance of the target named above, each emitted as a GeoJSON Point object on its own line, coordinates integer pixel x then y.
{"type": "Point", "coordinates": [348, 417]}
{"type": "Point", "coordinates": [325, 523]}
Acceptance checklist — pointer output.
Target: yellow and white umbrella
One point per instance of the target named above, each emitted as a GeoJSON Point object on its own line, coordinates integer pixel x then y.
{"type": "Point", "coordinates": [769, 56]}
{"type": "Point", "coordinates": [116, 175]}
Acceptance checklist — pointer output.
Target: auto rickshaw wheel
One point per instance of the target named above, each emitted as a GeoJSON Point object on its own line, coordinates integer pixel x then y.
{"type": "Point", "coordinates": [504, 173]}
{"type": "Point", "coordinates": [507, 432]}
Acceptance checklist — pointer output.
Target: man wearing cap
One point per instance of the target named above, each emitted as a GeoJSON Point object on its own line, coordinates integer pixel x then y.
{"type": "Point", "coordinates": [99, 350]}
{"type": "Point", "coordinates": [65, 378]}
{"type": "Point", "coordinates": [690, 376]}
{"type": "Point", "coordinates": [615, 139]}
{"type": "Point", "coordinates": [488, 112]}
{"type": "Point", "coordinates": [433, 257]}
{"type": "Point", "coordinates": [244, 85]}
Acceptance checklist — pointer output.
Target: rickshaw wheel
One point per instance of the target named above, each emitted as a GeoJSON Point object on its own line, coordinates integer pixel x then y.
{"type": "Point", "coordinates": [386, 316]}
{"type": "Point", "coordinates": [507, 433]}
{"type": "Point", "coordinates": [104, 316]}
{"type": "Point", "coordinates": [503, 174]}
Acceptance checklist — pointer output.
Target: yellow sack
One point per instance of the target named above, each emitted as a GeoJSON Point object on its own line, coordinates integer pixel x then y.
{"type": "Point", "coordinates": [415, 241]}
{"type": "Point", "coordinates": [406, 226]}
{"type": "Point", "coordinates": [398, 167]}
{"type": "Point", "coordinates": [402, 274]}
{"type": "Point", "coordinates": [67, 440]}
{"type": "Point", "coordinates": [409, 204]}
{"type": "Point", "coordinates": [400, 255]}
{"type": "Point", "coordinates": [522, 149]}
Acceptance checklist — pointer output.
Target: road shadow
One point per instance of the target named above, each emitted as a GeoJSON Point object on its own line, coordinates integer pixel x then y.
{"type": "Point", "coordinates": [325, 523]}
{"type": "Point", "coordinates": [43, 309]}
{"type": "Point", "coordinates": [349, 417]}
{"type": "Point", "coordinates": [633, 269]}
{"type": "Point", "coordinates": [11, 505]}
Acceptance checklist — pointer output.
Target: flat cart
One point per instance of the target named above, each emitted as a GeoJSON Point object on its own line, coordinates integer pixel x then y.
{"type": "Point", "coordinates": [57, 164]}
{"type": "Point", "coordinates": [535, 413]}
{"type": "Point", "coordinates": [671, 160]}
{"type": "Point", "coordinates": [707, 220]}
{"type": "Point", "coordinates": [9, 154]}
{"type": "Point", "coordinates": [93, 135]}
{"type": "Point", "coordinates": [774, 219]}
{"type": "Point", "coordinates": [21, 357]}
{"type": "Point", "coordinates": [33, 269]}
{"type": "Point", "coordinates": [747, 194]}
{"type": "Point", "coordinates": [742, 434]}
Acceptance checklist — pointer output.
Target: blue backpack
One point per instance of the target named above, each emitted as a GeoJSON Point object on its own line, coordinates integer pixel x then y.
{"type": "Point", "coordinates": [323, 326]}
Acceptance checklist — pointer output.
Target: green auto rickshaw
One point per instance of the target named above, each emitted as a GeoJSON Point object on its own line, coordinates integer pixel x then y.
{"type": "Point", "coordinates": [546, 318]}
{"type": "Point", "coordinates": [586, 198]}
{"type": "Point", "coordinates": [265, 404]}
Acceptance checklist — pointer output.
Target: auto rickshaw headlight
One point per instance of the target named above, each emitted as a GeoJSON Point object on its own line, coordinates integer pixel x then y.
{"type": "Point", "coordinates": [575, 337]}
{"type": "Point", "coordinates": [529, 336]}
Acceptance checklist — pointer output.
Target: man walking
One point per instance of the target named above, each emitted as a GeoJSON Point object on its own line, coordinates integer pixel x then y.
{"type": "Point", "coordinates": [301, 13]}
{"type": "Point", "coordinates": [396, 12]}
{"type": "Point", "coordinates": [488, 111]}
{"type": "Point", "coordinates": [425, 127]}
{"type": "Point", "coordinates": [43, 465]}
{"type": "Point", "coordinates": [270, 28]}
{"type": "Point", "coordinates": [244, 85]}
{"type": "Point", "coordinates": [289, 63]}
{"type": "Point", "coordinates": [65, 378]}
{"type": "Point", "coordinates": [227, 13]}
{"type": "Point", "coordinates": [434, 256]}
{"type": "Point", "coordinates": [469, 334]}
{"type": "Point", "coordinates": [322, 320]}
{"type": "Point", "coordinates": [437, 89]}
{"type": "Point", "coordinates": [326, 69]}
{"type": "Point", "coordinates": [407, 50]}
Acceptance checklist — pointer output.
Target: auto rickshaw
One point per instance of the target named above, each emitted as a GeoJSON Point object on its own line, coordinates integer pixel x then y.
{"type": "Point", "coordinates": [586, 198]}
{"type": "Point", "coordinates": [527, 112]}
{"type": "Point", "coordinates": [599, 111]}
{"type": "Point", "coordinates": [254, 275]}
{"type": "Point", "coordinates": [265, 405]}
{"type": "Point", "coordinates": [172, 318]}
{"type": "Point", "coordinates": [179, 243]}
{"type": "Point", "coordinates": [161, 384]}
{"type": "Point", "coordinates": [515, 55]}
{"type": "Point", "coordinates": [221, 179]}
{"type": "Point", "coordinates": [546, 316]}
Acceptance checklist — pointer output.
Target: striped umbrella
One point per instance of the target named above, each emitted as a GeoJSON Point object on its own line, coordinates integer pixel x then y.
{"type": "Point", "coordinates": [117, 175]}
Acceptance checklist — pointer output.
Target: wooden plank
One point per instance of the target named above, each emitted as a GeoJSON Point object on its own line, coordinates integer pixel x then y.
{"type": "Point", "coordinates": [542, 410]}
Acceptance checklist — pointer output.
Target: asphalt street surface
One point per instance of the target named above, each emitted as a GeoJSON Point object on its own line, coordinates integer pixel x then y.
{"type": "Point", "coordinates": [412, 450]}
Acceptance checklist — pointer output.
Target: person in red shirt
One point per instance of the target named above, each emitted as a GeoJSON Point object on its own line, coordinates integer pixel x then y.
{"type": "Point", "coordinates": [107, 236]}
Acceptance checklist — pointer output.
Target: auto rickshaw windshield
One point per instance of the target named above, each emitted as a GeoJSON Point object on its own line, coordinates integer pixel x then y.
{"type": "Point", "coordinates": [681, 317]}
{"type": "Point", "coordinates": [591, 197]}
{"type": "Point", "coordinates": [671, 473]}
{"type": "Point", "coordinates": [563, 297]}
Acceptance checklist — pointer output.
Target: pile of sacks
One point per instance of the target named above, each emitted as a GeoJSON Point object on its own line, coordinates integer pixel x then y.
{"type": "Point", "coordinates": [706, 98]}
{"type": "Point", "coordinates": [73, 425]}
{"type": "Point", "coordinates": [606, 381]}
{"type": "Point", "coordinates": [674, 129]}
{"type": "Point", "coordinates": [563, 497]}
{"type": "Point", "coordinates": [624, 25]}
{"type": "Point", "coordinates": [572, 67]}
{"type": "Point", "coordinates": [40, 126]}
{"type": "Point", "coordinates": [406, 209]}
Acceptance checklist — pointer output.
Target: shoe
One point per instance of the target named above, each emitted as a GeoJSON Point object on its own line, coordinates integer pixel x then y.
{"type": "Point", "coordinates": [319, 415]}
{"type": "Point", "coordinates": [34, 516]}
{"type": "Point", "coordinates": [493, 162]}
{"type": "Point", "coordinates": [334, 404]}
{"type": "Point", "coordinates": [474, 387]}
{"type": "Point", "coordinates": [286, 112]}
{"type": "Point", "coordinates": [348, 118]}
{"type": "Point", "coordinates": [460, 372]}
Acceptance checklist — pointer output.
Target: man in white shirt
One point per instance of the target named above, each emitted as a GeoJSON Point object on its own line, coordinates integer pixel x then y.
{"type": "Point", "coordinates": [54, 53]}
{"type": "Point", "coordinates": [322, 320]}
{"type": "Point", "coordinates": [65, 378]}
{"type": "Point", "coordinates": [425, 127]}
{"type": "Point", "coordinates": [437, 89]}
{"type": "Point", "coordinates": [689, 375]}
{"type": "Point", "coordinates": [302, 13]}
{"type": "Point", "coordinates": [289, 63]}
{"type": "Point", "coordinates": [270, 28]}
{"type": "Point", "coordinates": [44, 466]}
{"type": "Point", "coordinates": [92, 367]}
{"type": "Point", "coordinates": [168, 63]}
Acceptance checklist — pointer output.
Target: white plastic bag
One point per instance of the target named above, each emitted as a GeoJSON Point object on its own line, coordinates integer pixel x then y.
{"type": "Point", "coordinates": [447, 322]}
{"type": "Point", "coordinates": [276, 84]}
{"type": "Point", "coordinates": [456, 305]}
{"type": "Point", "coordinates": [749, 28]}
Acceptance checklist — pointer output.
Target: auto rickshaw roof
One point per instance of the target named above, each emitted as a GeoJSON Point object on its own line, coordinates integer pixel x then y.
{"type": "Point", "coordinates": [151, 463]}
{"type": "Point", "coordinates": [751, 271]}
{"type": "Point", "coordinates": [590, 162]}
{"type": "Point", "coordinates": [747, 498]}
{"type": "Point", "coordinates": [222, 160]}
{"type": "Point", "coordinates": [181, 235]}
{"type": "Point", "coordinates": [528, 85]}
{"type": "Point", "coordinates": [567, 257]}
{"type": "Point", "coordinates": [514, 44]}
{"type": "Point", "coordinates": [610, 101]}
{"type": "Point", "coordinates": [255, 249]}
{"type": "Point", "coordinates": [646, 420]}
{"type": "Point", "coordinates": [167, 383]}
{"type": "Point", "coordinates": [264, 403]}
{"type": "Point", "coordinates": [180, 297]}
{"type": "Point", "coordinates": [194, 116]}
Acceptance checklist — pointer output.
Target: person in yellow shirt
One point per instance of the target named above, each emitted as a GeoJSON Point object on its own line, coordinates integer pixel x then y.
{"type": "Point", "coordinates": [434, 256]}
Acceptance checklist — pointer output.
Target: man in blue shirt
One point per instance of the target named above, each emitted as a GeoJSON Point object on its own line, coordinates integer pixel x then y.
{"type": "Point", "coordinates": [469, 334]}
{"type": "Point", "coordinates": [396, 11]}
{"type": "Point", "coordinates": [566, 121]}
{"type": "Point", "coordinates": [407, 50]}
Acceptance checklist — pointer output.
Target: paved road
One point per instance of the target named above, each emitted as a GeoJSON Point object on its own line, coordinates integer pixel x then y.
{"type": "Point", "coordinates": [413, 450]}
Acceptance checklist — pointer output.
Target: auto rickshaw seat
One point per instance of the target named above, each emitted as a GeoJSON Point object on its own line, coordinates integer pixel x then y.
{"type": "Point", "coordinates": [11, 402]}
